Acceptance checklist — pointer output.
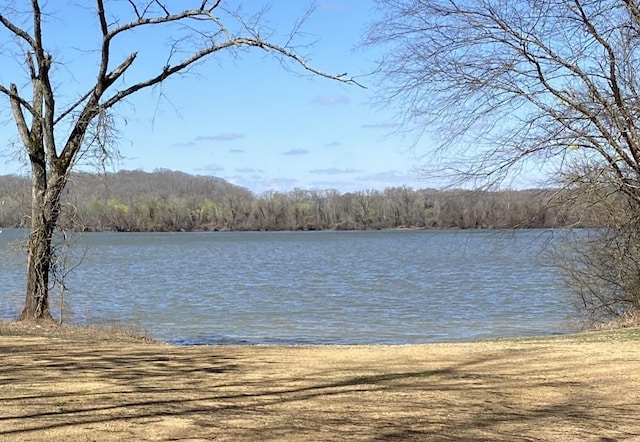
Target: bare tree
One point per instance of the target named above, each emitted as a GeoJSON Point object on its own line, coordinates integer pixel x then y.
{"type": "Point", "coordinates": [507, 84]}
{"type": "Point", "coordinates": [501, 82]}
{"type": "Point", "coordinates": [55, 137]}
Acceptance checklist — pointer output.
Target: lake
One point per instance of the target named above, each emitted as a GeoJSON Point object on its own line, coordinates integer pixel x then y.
{"type": "Point", "coordinates": [331, 287]}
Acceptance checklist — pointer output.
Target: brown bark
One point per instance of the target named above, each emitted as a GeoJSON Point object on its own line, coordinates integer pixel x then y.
{"type": "Point", "coordinates": [43, 222]}
{"type": "Point", "coordinates": [36, 304]}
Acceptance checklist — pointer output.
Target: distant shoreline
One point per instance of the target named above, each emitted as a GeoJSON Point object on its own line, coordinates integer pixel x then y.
{"type": "Point", "coordinates": [389, 229]}
{"type": "Point", "coordinates": [117, 332]}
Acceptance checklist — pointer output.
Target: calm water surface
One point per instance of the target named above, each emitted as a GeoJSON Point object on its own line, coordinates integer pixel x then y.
{"type": "Point", "coordinates": [369, 287]}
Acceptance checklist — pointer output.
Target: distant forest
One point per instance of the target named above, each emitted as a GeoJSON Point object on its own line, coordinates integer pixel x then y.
{"type": "Point", "coordinates": [174, 201]}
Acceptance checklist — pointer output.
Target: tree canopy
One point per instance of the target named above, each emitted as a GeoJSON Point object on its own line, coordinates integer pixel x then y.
{"type": "Point", "coordinates": [498, 82]}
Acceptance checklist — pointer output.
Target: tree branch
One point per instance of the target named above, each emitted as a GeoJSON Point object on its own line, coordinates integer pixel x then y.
{"type": "Point", "coordinates": [18, 116]}
{"type": "Point", "coordinates": [17, 31]}
{"type": "Point", "coordinates": [143, 21]}
{"type": "Point", "coordinates": [237, 42]}
{"type": "Point", "coordinates": [135, 10]}
{"type": "Point", "coordinates": [72, 107]}
{"type": "Point", "coordinates": [37, 29]}
{"type": "Point", "coordinates": [163, 7]}
{"type": "Point", "coordinates": [13, 95]}
{"type": "Point", "coordinates": [106, 41]}
{"type": "Point", "coordinates": [626, 127]}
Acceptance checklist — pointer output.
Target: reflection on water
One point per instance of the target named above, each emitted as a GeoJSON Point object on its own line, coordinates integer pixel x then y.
{"type": "Point", "coordinates": [309, 287]}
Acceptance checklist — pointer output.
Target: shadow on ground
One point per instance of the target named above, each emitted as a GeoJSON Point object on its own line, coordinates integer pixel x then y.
{"type": "Point", "coordinates": [55, 389]}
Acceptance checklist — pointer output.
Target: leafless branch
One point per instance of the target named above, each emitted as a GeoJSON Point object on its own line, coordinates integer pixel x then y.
{"type": "Point", "coordinates": [135, 10]}
{"type": "Point", "coordinates": [232, 43]}
{"type": "Point", "coordinates": [16, 108]}
{"type": "Point", "coordinates": [163, 7]}
{"type": "Point", "coordinates": [12, 94]}
{"type": "Point", "coordinates": [24, 35]}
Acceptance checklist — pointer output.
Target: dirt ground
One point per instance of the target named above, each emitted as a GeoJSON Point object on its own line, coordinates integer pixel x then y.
{"type": "Point", "coordinates": [88, 387]}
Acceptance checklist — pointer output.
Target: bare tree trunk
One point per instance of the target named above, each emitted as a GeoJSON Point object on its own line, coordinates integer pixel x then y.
{"type": "Point", "coordinates": [44, 215]}
{"type": "Point", "coordinates": [36, 305]}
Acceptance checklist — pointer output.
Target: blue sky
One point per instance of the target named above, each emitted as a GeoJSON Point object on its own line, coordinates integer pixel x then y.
{"type": "Point", "coordinates": [246, 119]}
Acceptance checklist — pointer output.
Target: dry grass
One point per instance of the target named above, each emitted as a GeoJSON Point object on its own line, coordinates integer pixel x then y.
{"type": "Point", "coordinates": [111, 331]}
{"type": "Point", "coordinates": [58, 386]}
{"type": "Point", "coordinates": [630, 320]}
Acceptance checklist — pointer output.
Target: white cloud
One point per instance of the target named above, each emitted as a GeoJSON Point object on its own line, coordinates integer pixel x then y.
{"type": "Point", "coordinates": [296, 152]}
{"type": "Point", "coordinates": [332, 101]}
{"type": "Point", "coordinates": [379, 126]}
{"type": "Point", "coordinates": [211, 168]}
{"type": "Point", "coordinates": [225, 136]}
{"type": "Point", "coordinates": [333, 171]}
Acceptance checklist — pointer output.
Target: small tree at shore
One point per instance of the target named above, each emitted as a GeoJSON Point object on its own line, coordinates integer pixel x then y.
{"type": "Point", "coordinates": [553, 84]}
{"type": "Point", "coordinates": [56, 130]}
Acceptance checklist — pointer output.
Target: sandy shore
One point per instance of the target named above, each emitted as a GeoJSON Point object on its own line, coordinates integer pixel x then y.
{"type": "Point", "coordinates": [79, 388]}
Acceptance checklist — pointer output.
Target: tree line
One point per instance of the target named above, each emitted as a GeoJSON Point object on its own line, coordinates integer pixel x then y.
{"type": "Point", "coordinates": [174, 201]}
